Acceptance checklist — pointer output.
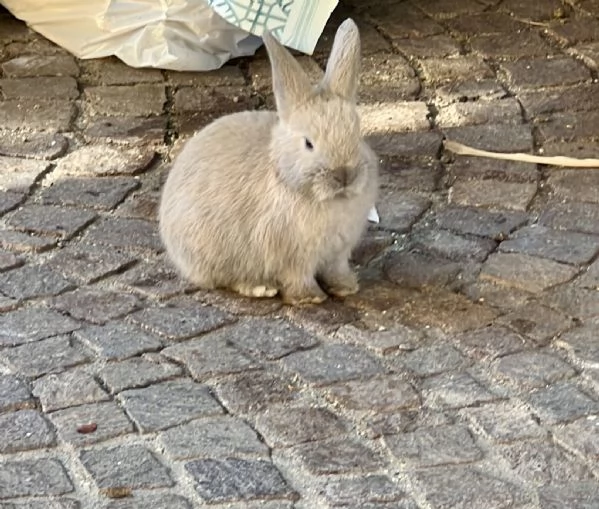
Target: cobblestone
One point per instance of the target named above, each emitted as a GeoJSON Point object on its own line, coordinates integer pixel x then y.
{"type": "Point", "coordinates": [67, 389]}
{"type": "Point", "coordinates": [41, 476]}
{"type": "Point", "coordinates": [126, 466]}
{"type": "Point", "coordinates": [213, 438]}
{"type": "Point", "coordinates": [24, 430]}
{"type": "Point", "coordinates": [231, 479]}
{"type": "Point", "coordinates": [110, 420]}
{"type": "Point", "coordinates": [167, 404]}
{"type": "Point", "coordinates": [463, 374]}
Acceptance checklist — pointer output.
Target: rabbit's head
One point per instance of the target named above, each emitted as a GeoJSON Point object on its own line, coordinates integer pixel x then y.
{"type": "Point", "coordinates": [316, 144]}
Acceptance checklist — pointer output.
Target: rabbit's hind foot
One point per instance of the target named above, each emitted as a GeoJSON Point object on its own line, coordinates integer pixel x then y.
{"type": "Point", "coordinates": [260, 291]}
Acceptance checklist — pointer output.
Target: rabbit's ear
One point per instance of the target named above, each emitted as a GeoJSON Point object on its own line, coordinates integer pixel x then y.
{"type": "Point", "coordinates": [290, 82]}
{"type": "Point", "coordinates": [343, 67]}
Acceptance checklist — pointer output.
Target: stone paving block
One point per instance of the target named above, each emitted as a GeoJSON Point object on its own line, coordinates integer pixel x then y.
{"type": "Point", "coordinates": [181, 322]}
{"type": "Point", "coordinates": [33, 281]}
{"type": "Point", "coordinates": [536, 321]}
{"type": "Point", "coordinates": [454, 390]}
{"type": "Point", "coordinates": [101, 194]}
{"type": "Point", "coordinates": [348, 492]}
{"type": "Point", "coordinates": [137, 372]}
{"type": "Point", "coordinates": [135, 100]}
{"type": "Point", "coordinates": [387, 119]}
{"type": "Point", "coordinates": [192, 99]}
{"type": "Point", "coordinates": [406, 144]}
{"type": "Point", "coordinates": [582, 495]}
{"type": "Point", "coordinates": [561, 402]}
{"type": "Point", "coordinates": [383, 342]}
{"type": "Point", "coordinates": [505, 422]}
{"type": "Point", "coordinates": [521, 43]}
{"type": "Point", "coordinates": [441, 445]}
{"type": "Point", "coordinates": [574, 185]}
{"type": "Point", "coordinates": [14, 394]}
{"type": "Point", "coordinates": [480, 168]}
{"type": "Point", "coordinates": [485, 223]}
{"type": "Point", "coordinates": [525, 272]}
{"type": "Point", "coordinates": [372, 245]}
{"type": "Point", "coordinates": [155, 501]}
{"type": "Point", "coordinates": [10, 201]}
{"type": "Point", "coordinates": [255, 391]}
{"type": "Point", "coordinates": [50, 220]}
{"type": "Point", "coordinates": [490, 342]}
{"type": "Point", "coordinates": [448, 70]}
{"type": "Point", "coordinates": [543, 463]}
{"type": "Point", "coordinates": [52, 116]}
{"type": "Point", "coordinates": [87, 263]}
{"type": "Point", "coordinates": [142, 205]}
{"type": "Point", "coordinates": [588, 53]}
{"type": "Point", "coordinates": [71, 388]}
{"type": "Point", "coordinates": [506, 111]}
{"type": "Point", "coordinates": [31, 324]}
{"type": "Point", "coordinates": [485, 23]}
{"type": "Point", "coordinates": [125, 466]}
{"type": "Point", "coordinates": [29, 66]}
{"type": "Point", "coordinates": [45, 503]}
{"type": "Point", "coordinates": [492, 194]}
{"type": "Point", "coordinates": [24, 430]}
{"type": "Point", "coordinates": [125, 233]}
{"type": "Point", "coordinates": [155, 279]}
{"type": "Point", "coordinates": [386, 393]}
{"type": "Point", "coordinates": [465, 487]}
{"type": "Point", "coordinates": [9, 260]}
{"type": "Point", "coordinates": [432, 360]}
{"type": "Point", "coordinates": [213, 438]}
{"type": "Point", "coordinates": [544, 72]}
{"type": "Point", "coordinates": [19, 175]}
{"type": "Point", "coordinates": [50, 88]}
{"type": "Point", "coordinates": [110, 420]}
{"type": "Point", "coordinates": [126, 130]}
{"type": "Point", "coordinates": [101, 160]}
{"type": "Point", "coordinates": [569, 126]}
{"type": "Point", "coordinates": [267, 339]}
{"type": "Point", "coordinates": [232, 479]}
{"type": "Point", "coordinates": [572, 98]}
{"type": "Point", "coordinates": [454, 247]}
{"type": "Point", "coordinates": [39, 476]}
{"type": "Point", "coordinates": [118, 340]}
{"type": "Point", "coordinates": [581, 344]}
{"type": "Point", "coordinates": [399, 211]}
{"type": "Point", "coordinates": [422, 175]}
{"type": "Point", "coordinates": [574, 29]}
{"type": "Point", "coordinates": [532, 369]}
{"type": "Point", "coordinates": [226, 75]}
{"type": "Point", "coordinates": [167, 404]}
{"type": "Point", "coordinates": [211, 355]}
{"type": "Point", "coordinates": [388, 78]}
{"type": "Point", "coordinates": [569, 148]}
{"type": "Point", "coordinates": [574, 301]}
{"type": "Point", "coordinates": [33, 145]}
{"type": "Point", "coordinates": [47, 356]}
{"type": "Point", "coordinates": [581, 436]}
{"type": "Point", "coordinates": [409, 22]}
{"type": "Point", "coordinates": [539, 11]}
{"type": "Point", "coordinates": [580, 217]}
{"type": "Point", "coordinates": [497, 137]}
{"type": "Point", "coordinates": [322, 319]}
{"type": "Point", "coordinates": [415, 269]}
{"type": "Point", "coordinates": [486, 89]}
{"type": "Point", "coordinates": [95, 305]}
{"type": "Point", "coordinates": [24, 242]}
{"type": "Point", "coordinates": [112, 71]}
{"type": "Point", "coordinates": [438, 46]}
{"type": "Point", "coordinates": [340, 455]}
{"type": "Point", "coordinates": [279, 425]}
{"type": "Point", "coordinates": [333, 363]}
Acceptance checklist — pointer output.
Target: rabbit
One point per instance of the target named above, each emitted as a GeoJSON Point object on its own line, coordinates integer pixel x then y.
{"type": "Point", "coordinates": [266, 203]}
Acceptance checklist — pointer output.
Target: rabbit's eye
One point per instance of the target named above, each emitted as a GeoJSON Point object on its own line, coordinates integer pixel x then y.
{"type": "Point", "coordinates": [309, 145]}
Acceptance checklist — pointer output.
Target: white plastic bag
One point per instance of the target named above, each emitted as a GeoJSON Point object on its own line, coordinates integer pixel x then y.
{"type": "Point", "coordinates": [181, 35]}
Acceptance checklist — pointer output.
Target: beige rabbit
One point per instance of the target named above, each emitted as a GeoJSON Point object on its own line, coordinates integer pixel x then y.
{"type": "Point", "coordinates": [263, 202]}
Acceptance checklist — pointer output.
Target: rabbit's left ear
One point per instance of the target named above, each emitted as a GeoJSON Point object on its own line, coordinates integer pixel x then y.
{"type": "Point", "coordinates": [343, 68]}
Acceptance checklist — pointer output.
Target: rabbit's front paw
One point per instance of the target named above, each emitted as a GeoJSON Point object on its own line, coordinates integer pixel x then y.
{"type": "Point", "coordinates": [259, 291]}
{"type": "Point", "coordinates": [341, 285]}
{"type": "Point", "coordinates": [307, 295]}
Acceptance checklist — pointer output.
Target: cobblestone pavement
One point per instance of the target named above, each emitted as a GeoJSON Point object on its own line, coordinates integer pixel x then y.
{"type": "Point", "coordinates": [464, 375]}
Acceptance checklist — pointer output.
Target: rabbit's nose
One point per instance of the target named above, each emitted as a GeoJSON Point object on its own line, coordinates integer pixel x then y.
{"type": "Point", "coordinates": [343, 175]}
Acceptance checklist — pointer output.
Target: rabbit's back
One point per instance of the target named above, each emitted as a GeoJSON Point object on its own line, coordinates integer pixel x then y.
{"type": "Point", "coordinates": [217, 195]}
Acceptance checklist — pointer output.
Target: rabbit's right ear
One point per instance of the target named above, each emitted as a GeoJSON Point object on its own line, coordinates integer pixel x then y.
{"type": "Point", "coordinates": [290, 82]}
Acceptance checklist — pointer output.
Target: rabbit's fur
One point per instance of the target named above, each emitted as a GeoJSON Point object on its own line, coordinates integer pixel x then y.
{"type": "Point", "coordinates": [263, 202]}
